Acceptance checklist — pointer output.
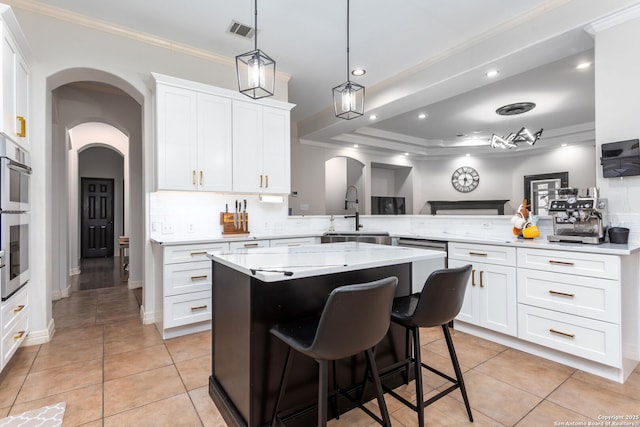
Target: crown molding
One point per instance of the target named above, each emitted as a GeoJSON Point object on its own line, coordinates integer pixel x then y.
{"type": "Point", "coordinates": [613, 19]}
{"type": "Point", "coordinates": [122, 31]}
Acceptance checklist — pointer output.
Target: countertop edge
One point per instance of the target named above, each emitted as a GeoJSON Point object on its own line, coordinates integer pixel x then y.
{"type": "Point", "coordinates": [538, 243]}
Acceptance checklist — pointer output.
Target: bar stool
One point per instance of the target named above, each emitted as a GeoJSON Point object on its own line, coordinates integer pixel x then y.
{"type": "Point", "coordinates": [355, 318]}
{"type": "Point", "coordinates": [437, 305]}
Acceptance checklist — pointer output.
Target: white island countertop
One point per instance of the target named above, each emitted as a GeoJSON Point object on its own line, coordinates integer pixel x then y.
{"type": "Point", "coordinates": [295, 262]}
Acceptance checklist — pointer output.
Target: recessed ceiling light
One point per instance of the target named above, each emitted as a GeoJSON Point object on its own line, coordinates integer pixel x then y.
{"type": "Point", "coordinates": [422, 115]}
{"type": "Point", "coordinates": [359, 72]}
{"type": "Point", "coordinates": [355, 145]}
{"type": "Point", "coordinates": [373, 117]}
{"type": "Point", "coordinates": [492, 73]}
{"type": "Point", "coordinates": [564, 145]}
{"type": "Point", "coordinates": [583, 65]}
{"type": "Point", "coordinates": [406, 154]}
{"type": "Point", "coordinates": [468, 155]}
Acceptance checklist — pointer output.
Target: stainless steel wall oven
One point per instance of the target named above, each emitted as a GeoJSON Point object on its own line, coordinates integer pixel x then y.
{"type": "Point", "coordinates": [14, 217]}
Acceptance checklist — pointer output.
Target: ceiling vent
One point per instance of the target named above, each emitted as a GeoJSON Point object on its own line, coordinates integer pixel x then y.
{"type": "Point", "coordinates": [241, 30]}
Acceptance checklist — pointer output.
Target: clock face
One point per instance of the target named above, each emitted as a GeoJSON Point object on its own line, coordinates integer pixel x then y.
{"type": "Point", "coordinates": [465, 179]}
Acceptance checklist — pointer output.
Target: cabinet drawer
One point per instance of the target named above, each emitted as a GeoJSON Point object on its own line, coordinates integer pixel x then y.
{"type": "Point", "coordinates": [584, 296]}
{"type": "Point", "coordinates": [583, 264]}
{"type": "Point", "coordinates": [14, 309]}
{"type": "Point", "coordinates": [248, 244]}
{"type": "Point", "coordinates": [187, 277]}
{"type": "Point", "coordinates": [588, 338]}
{"type": "Point", "coordinates": [188, 253]}
{"type": "Point", "coordinates": [14, 337]}
{"type": "Point", "coordinates": [295, 242]}
{"type": "Point", "coordinates": [490, 254]}
{"type": "Point", "coordinates": [180, 310]}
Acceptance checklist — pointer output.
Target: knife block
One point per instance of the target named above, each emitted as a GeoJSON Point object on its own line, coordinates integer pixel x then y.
{"type": "Point", "coordinates": [234, 228]}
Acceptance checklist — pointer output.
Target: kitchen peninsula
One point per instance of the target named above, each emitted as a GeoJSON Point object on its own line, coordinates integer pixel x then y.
{"type": "Point", "coordinates": [254, 289]}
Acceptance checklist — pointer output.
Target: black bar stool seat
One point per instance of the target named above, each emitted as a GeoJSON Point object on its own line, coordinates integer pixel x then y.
{"type": "Point", "coordinates": [355, 318]}
{"type": "Point", "coordinates": [437, 305]}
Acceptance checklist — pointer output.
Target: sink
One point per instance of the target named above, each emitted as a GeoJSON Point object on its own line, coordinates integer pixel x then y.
{"type": "Point", "coordinates": [378, 237]}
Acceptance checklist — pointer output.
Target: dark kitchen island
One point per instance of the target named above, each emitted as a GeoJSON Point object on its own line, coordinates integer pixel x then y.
{"type": "Point", "coordinates": [255, 289]}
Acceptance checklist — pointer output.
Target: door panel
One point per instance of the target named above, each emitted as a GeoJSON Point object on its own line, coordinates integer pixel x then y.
{"type": "Point", "coordinates": [97, 218]}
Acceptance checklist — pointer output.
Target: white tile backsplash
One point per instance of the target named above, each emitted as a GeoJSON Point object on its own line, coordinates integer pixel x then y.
{"type": "Point", "coordinates": [191, 214]}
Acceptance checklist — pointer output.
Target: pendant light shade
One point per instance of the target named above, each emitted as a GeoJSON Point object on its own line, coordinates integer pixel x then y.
{"type": "Point", "coordinates": [348, 98]}
{"type": "Point", "coordinates": [256, 70]}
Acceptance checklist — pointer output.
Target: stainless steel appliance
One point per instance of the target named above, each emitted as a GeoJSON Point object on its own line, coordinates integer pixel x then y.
{"type": "Point", "coordinates": [420, 270]}
{"type": "Point", "coordinates": [15, 174]}
{"type": "Point", "coordinates": [15, 243]}
{"type": "Point", "coordinates": [578, 216]}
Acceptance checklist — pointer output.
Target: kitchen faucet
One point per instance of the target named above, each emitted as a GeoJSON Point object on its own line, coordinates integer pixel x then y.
{"type": "Point", "coordinates": [346, 206]}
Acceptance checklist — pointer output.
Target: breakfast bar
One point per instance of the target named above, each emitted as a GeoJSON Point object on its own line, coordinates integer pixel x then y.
{"type": "Point", "coordinates": [255, 289]}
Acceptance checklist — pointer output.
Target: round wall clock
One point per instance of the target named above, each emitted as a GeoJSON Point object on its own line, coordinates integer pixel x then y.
{"type": "Point", "coordinates": [465, 179]}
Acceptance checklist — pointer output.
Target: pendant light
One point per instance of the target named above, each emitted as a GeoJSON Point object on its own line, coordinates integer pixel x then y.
{"type": "Point", "coordinates": [255, 69]}
{"type": "Point", "coordinates": [348, 98]}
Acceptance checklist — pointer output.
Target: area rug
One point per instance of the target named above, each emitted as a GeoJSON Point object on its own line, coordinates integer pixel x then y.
{"type": "Point", "coordinates": [47, 416]}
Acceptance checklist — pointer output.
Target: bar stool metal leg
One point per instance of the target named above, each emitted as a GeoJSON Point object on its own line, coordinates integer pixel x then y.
{"type": "Point", "coordinates": [283, 386]}
{"type": "Point", "coordinates": [419, 389]}
{"type": "Point", "coordinates": [379, 394]}
{"type": "Point", "coordinates": [456, 368]}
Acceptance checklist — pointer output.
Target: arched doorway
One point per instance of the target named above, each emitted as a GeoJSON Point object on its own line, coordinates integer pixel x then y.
{"type": "Point", "coordinates": [80, 97]}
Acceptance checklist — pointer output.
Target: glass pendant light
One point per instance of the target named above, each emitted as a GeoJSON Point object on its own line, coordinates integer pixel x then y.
{"type": "Point", "coordinates": [348, 98]}
{"type": "Point", "coordinates": [255, 69]}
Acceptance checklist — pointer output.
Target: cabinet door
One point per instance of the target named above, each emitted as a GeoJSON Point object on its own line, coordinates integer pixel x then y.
{"type": "Point", "coordinates": [214, 143]}
{"type": "Point", "coordinates": [470, 311]}
{"type": "Point", "coordinates": [9, 61]}
{"type": "Point", "coordinates": [276, 151]}
{"type": "Point", "coordinates": [497, 296]}
{"type": "Point", "coordinates": [176, 122]}
{"type": "Point", "coordinates": [22, 101]}
{"type": "Point", "coordinates": [247, 148]}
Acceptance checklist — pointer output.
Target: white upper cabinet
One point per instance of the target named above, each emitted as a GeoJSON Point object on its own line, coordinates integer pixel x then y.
{"type": "Point", "coordinates": [194, 140]}
{"type": "Point", "coordinates": [15, 81]}
{"type": "Point", "coordinates": [261, 149]}
{"type": "Point", "coordinates": [211, 139]}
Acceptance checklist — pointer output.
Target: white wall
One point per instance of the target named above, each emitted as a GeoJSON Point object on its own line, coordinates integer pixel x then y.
{"type": "Point", "coordinates": [618, 113]}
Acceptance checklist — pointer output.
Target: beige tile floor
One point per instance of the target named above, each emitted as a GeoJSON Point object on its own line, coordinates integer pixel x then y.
{"type": "Point", "coordinates": [113, 371]}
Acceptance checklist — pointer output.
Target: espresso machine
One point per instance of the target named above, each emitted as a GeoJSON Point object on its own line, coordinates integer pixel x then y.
{"type": "Point", "coordinates": [579, 216]}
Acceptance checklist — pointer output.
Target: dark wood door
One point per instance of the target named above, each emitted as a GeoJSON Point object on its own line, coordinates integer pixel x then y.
{"type": "Point", "coordinates": [97, 218]}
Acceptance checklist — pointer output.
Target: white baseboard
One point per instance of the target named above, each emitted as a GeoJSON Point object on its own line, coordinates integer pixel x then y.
{"type": "Point", "coordinates": [148, 317]}
{"type": "Point", "coordinates": [74, 271]}
{"type": "Point", "coordinates": [40, 337]}
{"type": "Point", "coordinates": [135, 284]}
{"type": "Point", "coordinates": [61, 293]}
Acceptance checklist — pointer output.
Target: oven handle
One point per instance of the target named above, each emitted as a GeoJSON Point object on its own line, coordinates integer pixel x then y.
{"type": "Point", "coordinates": [17, 165]}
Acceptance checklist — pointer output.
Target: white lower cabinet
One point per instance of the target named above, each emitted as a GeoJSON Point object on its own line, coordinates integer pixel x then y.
{"type": "Point", "coordinates": [185, 288]}
{"type": "Point", "coordinates": [14, 318]}
{"type": "Point", "coordinates": [571, 302]}
{"type": "Point", "coordinates": [577, 308]}
{"type": "Point", "coordinates": [490, 300]}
